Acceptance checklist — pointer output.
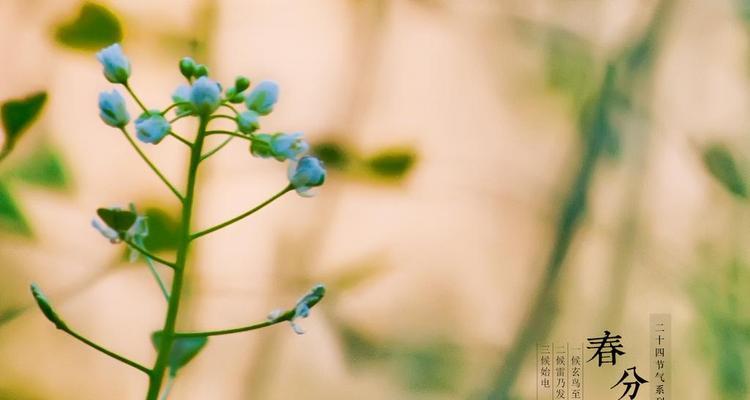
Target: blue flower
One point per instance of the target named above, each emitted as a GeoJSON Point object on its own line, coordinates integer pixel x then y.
{"type": "Point", "coordinates": [305, 174]}
{"type": "Point", "coordinates": [301, 309]}
{"type": "Point", "coordinates": [116, 65]}
{"type": "Point", "coordinates": [112, 109]}
{"type": "Point", "coordinates": [247, 121]}
{"type": "Point", "coordinates": [261, 145]}
{"type": "Point", "coordinates": [263, 97]}
{"type": "Point", "coordinates": [288, 146]}
{"type": "Point", "coordinates": [205, 95]}
{"type": "Point", "coordinates": [151, 127]}
{"type": "Point", "coordinates": [182, 95]}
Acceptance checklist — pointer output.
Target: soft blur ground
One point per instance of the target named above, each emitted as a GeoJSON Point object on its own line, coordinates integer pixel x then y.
{"type": "Point", "coordinates": [431, 274]}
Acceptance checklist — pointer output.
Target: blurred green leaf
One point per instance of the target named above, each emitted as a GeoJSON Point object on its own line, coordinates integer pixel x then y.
{"type": "Point", "coordinates": [163, 230]}
{"type": "Point", "coordinates": [94, 27]}
{"type": "Point", "coordinates": [392, 163]}
{"type": "Point", "coordinates": [355, 275]}
{"type": "Point", "coordinates": [721, 165]}
{"type": "Point", "coordinates": [119, 220]}
{"type": "Point", "coordinates": [11, 217]}
{"type": "Point", "coordinates": [359, 349]}
{"type": "Point", "coordinates": [570, 65]}
{"type": "Point", "coordinates": [333, 154]}
{"type": "Point", "coordinates": [183, 350]}
{"type": "Point", "coordinates": [18, 114]}
{"type": "Point", "coordinates": [431, 367]}
{"type": "Point", "coordinates": [44, 167]}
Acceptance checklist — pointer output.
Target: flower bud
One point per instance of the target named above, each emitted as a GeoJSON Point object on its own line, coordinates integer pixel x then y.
{"type": "Point", "coordinates": [46, 307]}
{"type": "Point", "coordinates": [187, 67]}
{"type": "Point", "coordinates": [288, 146]}
{"type": "Point", "coordinates": [200, 70]}
{"type": "Point", "coordinates": [305, 174]}
{"type": "Point", "coordinates": [263, 97]}
{"type": "Point", "coordinates": [205, 95]}
{"type": "Point", "coordinates": [151, 127]}
{"type": "Point", "coordinates": [261, 145]}
{"type": "Point", "coordinates": [112, 109]}
{"type": "Point", "coordinates": [241, 83]}
{"type": "Point", "coordinates": [182, 95]}
{"type": "Point", "coordinates": [116, 65]}
{"type": "Point", "coordinates": [247, 121]}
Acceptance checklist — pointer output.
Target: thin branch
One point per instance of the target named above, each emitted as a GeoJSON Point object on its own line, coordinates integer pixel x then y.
{"type": "Point", "coordinates": [180, 103]}
{"type": "Point", "coordinates": [137, 100]}
{"type": "Point", "coordinates": [181, 139]}
{"type": "Point", "coordinates": [230, 133]}
{"type": "Point", "coordinates": [287, 316]}
{"type": "Point", "coordinates": [150, 164]}
{"type": "Point", "coordinates": [243, 215]}
{"type": "Point", "coordinates": [222, 116]}
{"type": "Point", "coordinates": [148, 254]}
{"type": "Point", "coordinates": [217, 148]}
{"type": "Point", "coordinates": [231, 107]}
{"type": "Point", "coordinates": [157, 277]}
{"type": "Point", "coordinates": [108, 352]}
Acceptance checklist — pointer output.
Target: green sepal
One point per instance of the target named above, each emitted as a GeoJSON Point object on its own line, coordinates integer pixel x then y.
{"type": "Point", "coordinates": [46, 307]}
{"type": "Point", "coordinates": [117, 219]}
{"type": "Point", "coordinates": [182, 352]}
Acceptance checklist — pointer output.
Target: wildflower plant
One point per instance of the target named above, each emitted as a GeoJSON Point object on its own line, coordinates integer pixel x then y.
{"type": "Point", "coordinates": [201, 98]}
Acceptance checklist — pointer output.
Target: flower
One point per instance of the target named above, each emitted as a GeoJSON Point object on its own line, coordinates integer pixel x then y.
{"type": "Point", "coordinates": [247, 121]}
{"type": "Point", "coordinates": [116, 65]}
{"type": "Point", "coordinates": [281, 146]}
{"type": "Point", "coordinates": [301, 309]}
{"type": "Point", "coordinates": [263, 97]}
{"type": "Point", "coordinates": [305, 174]}
{"type": "Point", "coordinates": [205, 94]}
{"type": "Point", "coordinates": [182, 95]}
{"type": "Point", "coordinates": [112, 109]}
{"type": "Point", "coordinates": [151, 127]}
{"type": "Point", "coordinates": [289, 146]}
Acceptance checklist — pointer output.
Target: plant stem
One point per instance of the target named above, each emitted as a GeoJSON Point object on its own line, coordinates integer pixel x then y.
{"type": "Point", "coordinates": [180, 138]}
{"type": "Point", "coordinates": [217, 148]}
{"type": "Point", "coordinates": [137, 100]}
{"type": "Point", "coordinates": [157, 374]}
{"type": "Point", "coordinates": [148, 254]}
{"type": "Point", "coordinates": [151, 164]}
{"type": "Point", "coordinates": [230, 133]}
{"type": "Point", "coordinates": [156, 275]}
{"type": "Point", "coordinates": [107, 352]}
{"type": "Point", "coordinates": [284, 317]}
{"type": "Point", "coordinates": [243, 215]}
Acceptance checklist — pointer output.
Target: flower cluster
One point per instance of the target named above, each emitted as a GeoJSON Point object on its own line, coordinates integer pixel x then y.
{"type": "Point", "coordinates": [203, 97]}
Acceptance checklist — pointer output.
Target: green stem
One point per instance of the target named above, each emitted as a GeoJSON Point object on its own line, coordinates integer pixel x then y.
{"type": "Point", "coordinates": [4, 153]}
{"type": "Point", "coordinates": [231, 107]}
{"type": "Point", "coordinates": [137, 100]}
{"type": "Point", "coordinates": [217, 148]}
{"type": "Point", "coordinates": [230, 133]}
{"type": "Point", "coordinates": [243, 215]}
{"type": "Point", "coordinates": [156, 275]}
{"type": "Point", "coordinates": [157, 374]}
{"type": "Point", "coordinates": [180, 138]}
{"type": "Point", "coordinates": [223, 116]}
{"type": "Point", "coordinates": [181, 103]}
{"type": "Point", "coordinates": [148, 254]}
{"type": "Point", "coordinates": [107, 352]}
{"type": "Point", "coordinates": [151, 164]}
{"type": "Point", "coordinates": [284, 317]}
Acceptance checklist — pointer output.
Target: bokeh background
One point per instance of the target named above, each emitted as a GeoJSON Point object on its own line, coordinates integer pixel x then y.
{"type": "Point", "coordinates": [501, 172]}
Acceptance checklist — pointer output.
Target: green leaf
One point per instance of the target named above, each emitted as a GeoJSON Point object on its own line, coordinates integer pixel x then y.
{"type": "Point", "coordinates": [570, 65]}
{"type": "Point", "coordinates": [94, 27]}
{"type": "Point", "coordinates": [333, 154]}
{"type": "Point", "coordinates": [182, 352]}
{"type": "Point", "coordinates": [163, 228]}
{"type": "Point", "coordinates": [18, 114]}
{"type": "Point", "coordinates": [44, 168]}
{"type": "Point", "coordinates": [721, 165]}
{"type": "Point", "coordinates": [434, 367]}
{"type": "Point", "coordinates": [392, 163]}
{"type": "Point", "coordinates": [117, 219]}
{"type": "Point", "coordinates": [46, 307]}
{"type": "Point", "coordinates": [11, 217]}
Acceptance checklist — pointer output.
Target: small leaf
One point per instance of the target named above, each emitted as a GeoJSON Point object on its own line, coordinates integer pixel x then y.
{"type": "Point", "coordinates": [94, 27]}
{"type": "Point", "coordinates": [119, 220]}
{"type": "Point", "coordinates": [722, 166]}
{"type": "Point", "coordinates": [163, 230]}
{"type": "Point", "coordinates": [18, 114]}
{"type": "Point", "coordinates": [11, 217]}
{"type": "Point", "coordinates": [44, 167]}
{"type": "Point", "coordinates": [392, 163]}
{"type": "Point", "coordinates": [46, 307]}
{"type": "Point", "coordinates": [333, 154]}
{"type": "Point", "coordinates": [184, 349]}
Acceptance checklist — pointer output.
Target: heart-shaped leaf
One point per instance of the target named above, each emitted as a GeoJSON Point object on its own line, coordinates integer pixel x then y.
{"type": "Point", "coordinates": [117, 219]}
{"type": "Point", "coordinates": [18, 114]}
{"type": "Point", "coordinates": [183, 350]}
{"type": "Point", "coordinates": [44, 167]}
{"type": "Point", "coordinates": [93, 28]}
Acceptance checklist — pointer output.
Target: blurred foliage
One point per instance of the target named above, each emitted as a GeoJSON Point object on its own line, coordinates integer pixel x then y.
{"type": "Point", "coordinates": [570, 66]}
{"type": "Point", "coordinates": [94, 27]}
{"type": "Point", "coordinates": [429, 366]}
{"type": "Point", "coordinates": [721, 164]}
{"type": "Point", "coordinates": [43, 167]}
{"type": "Point", "coordinates": [392, 164]}
{"type": "Point", "coordinates": [11, 217]}
{"type": "Point", "coordinates": [719, 292]}
{"type": "Point", "coordinates": [17, 115]}
{"type": "Point", "coordinates": [182, 352]}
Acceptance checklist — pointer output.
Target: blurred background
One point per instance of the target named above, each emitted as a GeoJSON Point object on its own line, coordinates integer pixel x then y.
{"type": "Point", "coordinates": [501, 173]}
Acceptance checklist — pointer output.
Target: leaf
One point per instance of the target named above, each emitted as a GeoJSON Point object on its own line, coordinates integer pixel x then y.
{"type": "Point", "coordinates": [94, 27]}
{"type": "Point", "coordinates": [18, 114]}
{"type": "Point", "coordinates": [44, 168]}
{"type": "Point", "coordinates": [332, 154]}
{"type": "Point", "coordinates": [722, 166]}
{"type": "Point", "coordinates": [119, 220]}
{"type": "Point", "coordinates": [183, 350]}
{"type": "Point", "coordinates": [392, 163]}
{"type": "Point", "coordinates": [163, 230]}
{"type": "Point", "coordinates": [570, 65]}
{"type": "Point", "coordinates": [360, 349]}
{"type": "Point", "coordinates": [11, 217]}
{"type": "Point", "coordinates": [432, 367]}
